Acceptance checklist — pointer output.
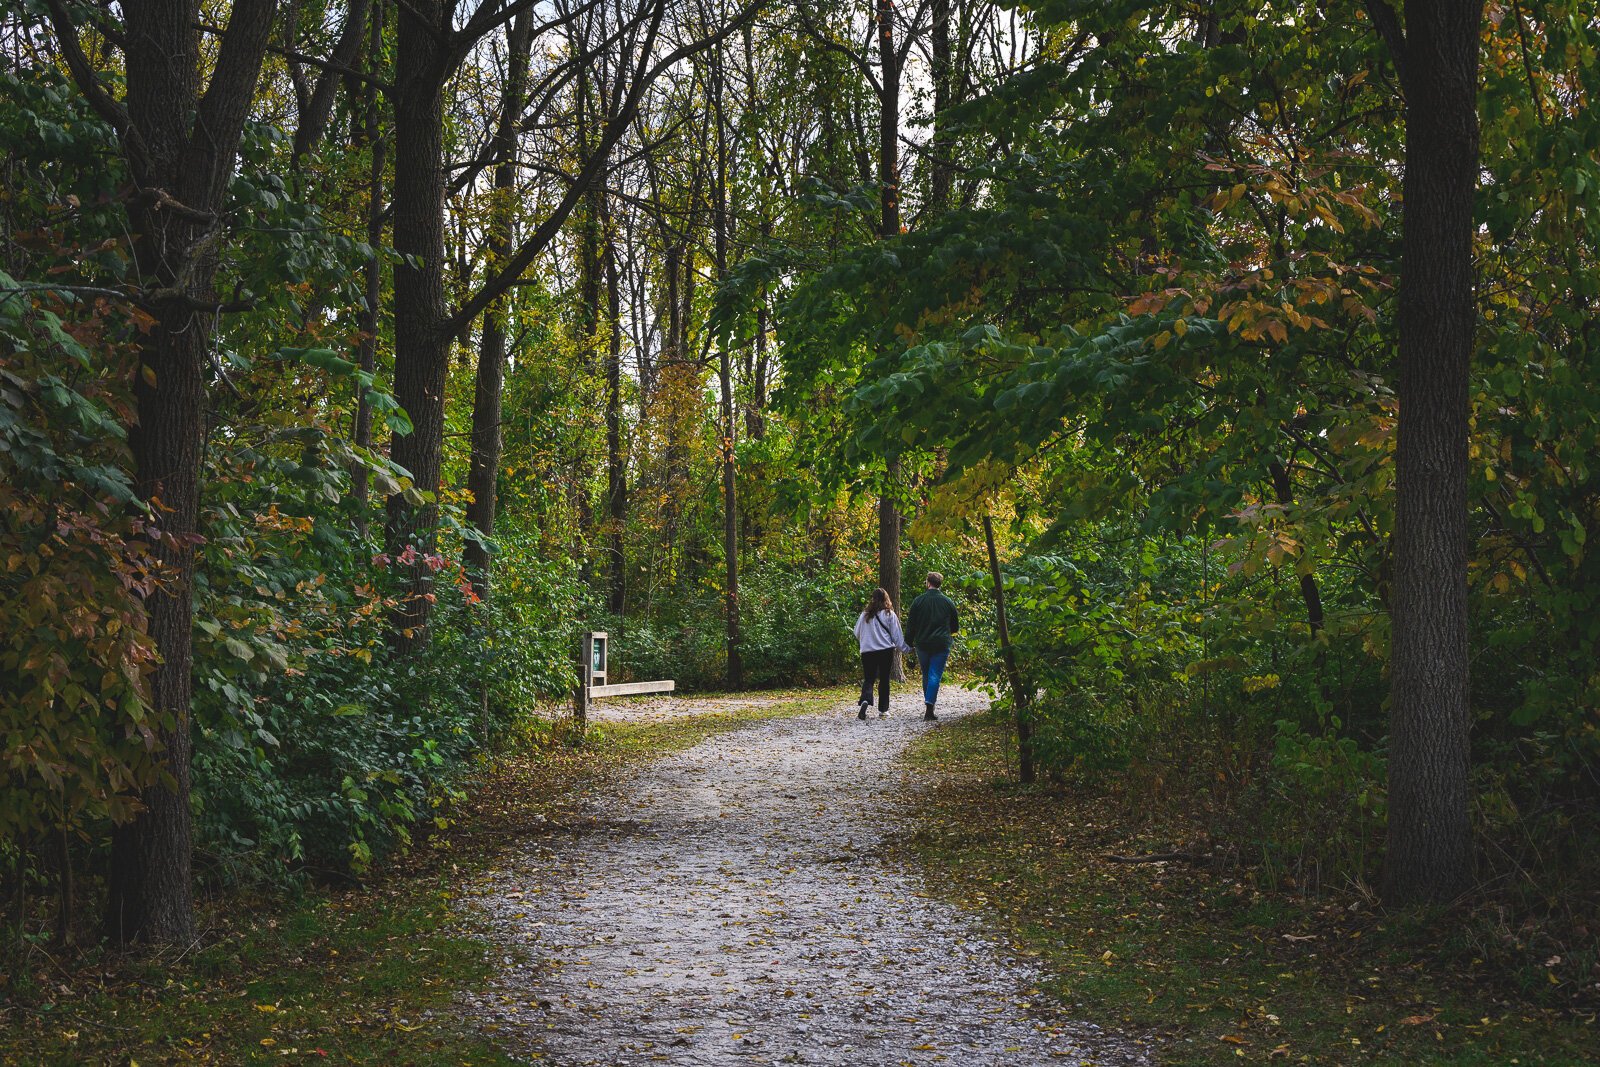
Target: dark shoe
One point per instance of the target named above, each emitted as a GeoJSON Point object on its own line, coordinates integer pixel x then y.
{"type": "Point", "coordinates": [862, 714]}
{"type": "Point", "coordinates": [927, 714]}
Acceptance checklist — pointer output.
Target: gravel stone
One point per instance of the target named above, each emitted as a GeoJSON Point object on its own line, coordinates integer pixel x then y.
{"type": "Point", "coordinates": [733, 904]}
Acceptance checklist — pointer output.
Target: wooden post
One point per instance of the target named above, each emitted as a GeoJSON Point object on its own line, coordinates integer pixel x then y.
{"type": "Point", "coordinates": [1019, 698]}
{"type": "Point", "coordinates": [592, 669]}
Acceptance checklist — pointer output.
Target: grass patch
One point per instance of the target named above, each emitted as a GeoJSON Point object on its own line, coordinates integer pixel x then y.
{"type": "Point", "coordinates": [1214, 969]}
{"type": "Point", "coordinates": [364, 975]}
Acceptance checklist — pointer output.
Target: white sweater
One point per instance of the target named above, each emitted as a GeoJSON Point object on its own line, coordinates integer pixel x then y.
{"type": "Point", "coordinates": [876, 638]}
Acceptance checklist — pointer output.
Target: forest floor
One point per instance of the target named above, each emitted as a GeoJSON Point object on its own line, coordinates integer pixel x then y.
{"type": "Point", "coordinates": [1214, 968]}
{"type": "Point", "coordinates": [713, 880]}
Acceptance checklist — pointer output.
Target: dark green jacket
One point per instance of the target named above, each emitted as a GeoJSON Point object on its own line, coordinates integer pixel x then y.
{"type": "Point", "coordinates": [931, 621]}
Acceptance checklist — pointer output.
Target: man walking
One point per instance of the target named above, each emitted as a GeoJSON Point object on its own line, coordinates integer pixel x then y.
{"type": "Point", "coordinates": [929, 624]}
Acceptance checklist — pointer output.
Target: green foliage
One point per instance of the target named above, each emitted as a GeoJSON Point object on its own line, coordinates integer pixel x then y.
{"type": "Point", "coordinates": [74, 567]}
{"type": "Point", "coordinates": [1162, 336]}
{"type": "Point", "coordinates": [532, 629]}
{"type": "Point", "coordinates": [796, 628]}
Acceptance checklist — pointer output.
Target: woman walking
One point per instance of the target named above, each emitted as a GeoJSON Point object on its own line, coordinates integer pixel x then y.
{"type": "Point", "coordinates": [878, 632]}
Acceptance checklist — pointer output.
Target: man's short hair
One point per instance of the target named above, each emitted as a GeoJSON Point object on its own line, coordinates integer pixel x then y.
{"type": "Point", "coordinates": [935, 579]}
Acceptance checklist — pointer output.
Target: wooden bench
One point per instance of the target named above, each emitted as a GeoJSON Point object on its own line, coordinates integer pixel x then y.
{"type": "Point", "coordinates": [593, 654]}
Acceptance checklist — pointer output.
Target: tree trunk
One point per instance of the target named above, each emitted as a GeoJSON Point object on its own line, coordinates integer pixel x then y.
{"type": "Point", "coordinates": [180, 146]}
{"type": "Point", "coordinates": [941, 169]}
{"type": "Point", "coordinates": [373, 271]}
{"type": "Point", "coordinates": [421, 347]}
{"type": "Point", "coordinates": [1309, 593]}
{"type": "Point", "coordinates": [889, 228]}
{"type": "Point", "coordinates": [616, 468]}
{"type": "Point", "coordinates": [1430, 846]}
{"type": "Point", "coordinates": [1019, 693]}
{"type": "Point", "coordinates": [483, 463]}
{"type": "Point", "coordinates": [150, 894]}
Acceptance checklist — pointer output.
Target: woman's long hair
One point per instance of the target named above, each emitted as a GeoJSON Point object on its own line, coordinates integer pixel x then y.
{"type": "Point", "coordinates": [879, 601]}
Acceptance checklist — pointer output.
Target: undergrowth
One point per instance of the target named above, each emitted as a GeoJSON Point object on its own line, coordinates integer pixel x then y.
{"type": "Point", "coordinates": [1215, 967]}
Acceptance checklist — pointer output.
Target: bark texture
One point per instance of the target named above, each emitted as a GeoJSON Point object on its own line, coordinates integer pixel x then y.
{"type": "Point", "coordinates": [1430, 850]}
{"type": "Point", "coordinates": [421, 345]}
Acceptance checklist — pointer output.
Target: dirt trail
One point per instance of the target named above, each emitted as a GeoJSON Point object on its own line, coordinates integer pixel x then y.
{"type": "Point", "coordinates": [732, 905]}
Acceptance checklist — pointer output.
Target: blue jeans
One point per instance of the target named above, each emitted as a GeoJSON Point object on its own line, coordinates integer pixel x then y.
{"type": "Point", "coordinates": [933, 661]}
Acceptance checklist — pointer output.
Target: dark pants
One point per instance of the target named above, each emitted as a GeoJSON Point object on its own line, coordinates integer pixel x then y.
{"type": "Point", "coordinates": [875, 667]}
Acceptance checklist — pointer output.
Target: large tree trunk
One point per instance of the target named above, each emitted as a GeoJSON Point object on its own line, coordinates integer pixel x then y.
{"type": "Point", "coordinates": [421, 346]}
{"type": "Point", "coordinates": [1430, 846]}
{"type": "Point", "coordinates": [180, 147]}
{"type": "Point", "coordinates": [150, 894]}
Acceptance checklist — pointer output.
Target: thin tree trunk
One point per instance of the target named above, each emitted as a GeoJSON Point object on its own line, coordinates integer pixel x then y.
{"type": "Point", "coordinates": [616, 468]}
{"type": "Point", "coordinates": [592, 299]}
{"type": "Point", "coordinates": [373, 271]}
{"type": "Point", "coordinates": [1019, 693]}
{"type": "Point", "coordinates": [1309, 593]}
{"type": "Point", "coordinates": [941, 169]}
{"type": "Point", "coordinates": [1430, 845]}
{"type": "Point", "coordinates": [66, 903]}
{"type": "Point", "coordinates": [889, 228]}
{"type": "Point", "coordinates": [730, 494]}
{"type": "Point", "coordinates": [483, 463]}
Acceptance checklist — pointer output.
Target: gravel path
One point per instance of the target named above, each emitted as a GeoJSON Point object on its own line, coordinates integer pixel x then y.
{"type": "Point", "coordinates": [732, 905]}
{"type": "Point", "coordinates": [669, 708]}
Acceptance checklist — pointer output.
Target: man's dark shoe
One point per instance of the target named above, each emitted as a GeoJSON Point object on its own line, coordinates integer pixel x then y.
{"type": "Point", "coordinates": [862, 714]}
{"type": "Point", "coordinates": [928, 715]}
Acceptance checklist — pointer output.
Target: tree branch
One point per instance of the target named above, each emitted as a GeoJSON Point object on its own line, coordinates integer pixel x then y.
{"type": "Point", "coordinates": [613, 131]}
{"type": "Point", "coordinates": [314, 117]}
{"type": "Point", "coordinates": [1388, 25]}
{"type": "Point", "coordinates": [88, 82]}
{"type": "Point", "coordinates": [226, 103]}
{"type": "Point", "coordinates": [829, 43]}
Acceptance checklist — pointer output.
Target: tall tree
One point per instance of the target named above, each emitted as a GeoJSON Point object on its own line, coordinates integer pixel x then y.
{"type": "Point", "coordinates": [483, 467]}
{"type": "Point", "coordinates": [721, 223]}
{"type": "Point", "coordinates": [180, 143]}
{"type": "Point", "coordinates": [1430, 839]}
{"type": "Point", "coordinates": [890, 59]}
